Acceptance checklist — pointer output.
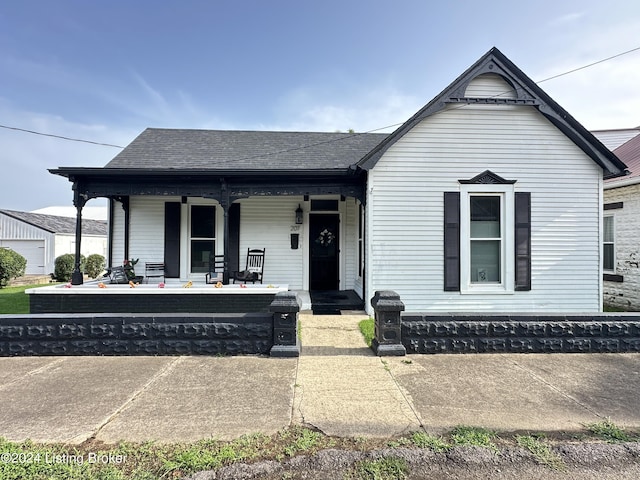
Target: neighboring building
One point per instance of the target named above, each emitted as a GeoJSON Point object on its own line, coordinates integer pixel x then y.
{"type": "Point", "coordinates": [621, 249]}
{"type": "Point", "coordinates": [613, 138]}
{"type": "Point", "coordinates": [41, 238]}
{"type": "Point", "coordinates": [487, 199]}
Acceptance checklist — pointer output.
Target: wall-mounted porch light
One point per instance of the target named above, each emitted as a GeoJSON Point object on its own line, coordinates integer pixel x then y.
{"type": "Point", "coordinates": [299, 215]}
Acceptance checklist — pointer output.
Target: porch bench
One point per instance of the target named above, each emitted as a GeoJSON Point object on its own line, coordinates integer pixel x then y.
{"type": "Point", "coordinates": [153, 270]}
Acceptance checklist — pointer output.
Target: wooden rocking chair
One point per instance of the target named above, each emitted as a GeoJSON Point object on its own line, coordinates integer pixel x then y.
{"type": "Point", "coordinates": [216, 269]}
{"type": "Point", "coordinates": [253, 269]}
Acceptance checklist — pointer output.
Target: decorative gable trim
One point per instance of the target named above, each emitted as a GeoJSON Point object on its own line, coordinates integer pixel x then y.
{"type": "Point", "coordinates": [527, 92]}
{"type": "Point", "coordinates": [487, 177]}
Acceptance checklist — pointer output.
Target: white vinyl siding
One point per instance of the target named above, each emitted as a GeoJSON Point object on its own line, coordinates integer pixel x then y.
{"type": "Point", "coordinates": [489, 86]}
{"type": "Point", "coordinates": [349, 227]}
{"type": "Point", "coordinates": [117, 227]}
{"type": "Point", "coordinates": [265, 223]}
{"type": "Point", "coordinates": [146, 231]}
{"type": "Point", "coordinates": [405, 208]}
{"type": "Point", "coordinates": [268, 222]}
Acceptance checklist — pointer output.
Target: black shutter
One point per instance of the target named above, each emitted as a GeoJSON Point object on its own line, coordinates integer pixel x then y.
{"type": "Point", "coordinates": [172, 239]}
{"type": "Point", "coordinates": [452, 241]}
{"type": "Point", "coordinates": [523, 241]}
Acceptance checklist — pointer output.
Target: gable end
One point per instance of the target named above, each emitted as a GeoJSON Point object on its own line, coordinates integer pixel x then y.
{"type": "Point", "coordinates": [525, 92]}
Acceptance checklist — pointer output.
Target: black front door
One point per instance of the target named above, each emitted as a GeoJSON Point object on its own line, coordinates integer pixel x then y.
{"type": "Point", "coordinates": [324, 251]}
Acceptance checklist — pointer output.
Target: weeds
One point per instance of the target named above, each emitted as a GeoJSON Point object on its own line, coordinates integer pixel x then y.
{"type": "Point", "coordinates": [388, 468]}
{"type": "Point", "coordinates": [367, 328]}
{"type": "Point", "coordinates": [149, 460]}
{"type": "Point", "coordinates": [303, 440]}
{"type": "Point", "coordinates": [609, 431]}
{"type": "Point", "coordinates": [424, 440]}
{"type": "Point", "coordinates": [541, 452]}
{"type": "Point", "coordinates": [474, 436]}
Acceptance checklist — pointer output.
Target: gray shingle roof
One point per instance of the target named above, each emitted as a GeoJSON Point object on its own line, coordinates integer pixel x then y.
{"type": "Point", "coordinates": [56, 224]}
{"type": "Point", "coordinates": [244, 150]}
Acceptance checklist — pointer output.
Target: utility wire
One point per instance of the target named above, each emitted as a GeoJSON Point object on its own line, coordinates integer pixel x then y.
{"type": "Point", "coordinates": [60, 137]}
{"type": "Point", "coordinates": [590, 65]}
{"type": "Point", "coordinates": [329, 140]}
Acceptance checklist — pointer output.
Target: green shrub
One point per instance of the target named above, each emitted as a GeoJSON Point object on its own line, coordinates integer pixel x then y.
{"type": "Point", "coordinates": [12, 265]}
{"type": "Point", "coordinates": [64, 266]}
{"type": "Point", "coordinates": [95, 265]}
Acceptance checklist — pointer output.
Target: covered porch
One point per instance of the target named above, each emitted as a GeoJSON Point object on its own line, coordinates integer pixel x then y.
{"type": "Point", "coordinates": [309, 225]}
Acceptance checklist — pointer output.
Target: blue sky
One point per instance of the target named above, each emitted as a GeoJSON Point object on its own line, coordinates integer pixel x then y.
{"type": "Point", "coordinates": [105, 71]}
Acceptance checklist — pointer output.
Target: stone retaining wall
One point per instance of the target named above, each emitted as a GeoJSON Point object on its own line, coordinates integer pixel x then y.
{"type": "Point", "coordinates": [398, 334]}
{"type": "Point", "coordinates": [129, 334]}
{"type": "Point", "coordinates": [521, 333]}
{"type": "Point", "coordinates": [273, 332]}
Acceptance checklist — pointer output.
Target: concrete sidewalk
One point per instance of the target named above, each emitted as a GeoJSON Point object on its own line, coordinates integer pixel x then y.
{"type": "Point", "coordinates": [337, 385]}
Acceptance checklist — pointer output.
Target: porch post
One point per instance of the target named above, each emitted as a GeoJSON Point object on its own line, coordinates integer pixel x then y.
{"type": "Point", "coordinates": [224, 201]}
{"type": "Point", "coordinates": [79, 201]}
{"type": "Point", "coordinates": [127, 216]}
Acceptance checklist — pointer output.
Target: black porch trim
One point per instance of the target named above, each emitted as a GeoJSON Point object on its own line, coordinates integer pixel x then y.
{"type": "Point", "coordinates": [226, 186]}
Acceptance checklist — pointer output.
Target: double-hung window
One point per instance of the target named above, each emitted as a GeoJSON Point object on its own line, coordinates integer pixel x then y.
{"type": "Point", "coordinates": [486, 238]}
{"type": "Point", "coordinates": [609, 246]}
{"type": "Point", "coordinates": [202, 240]}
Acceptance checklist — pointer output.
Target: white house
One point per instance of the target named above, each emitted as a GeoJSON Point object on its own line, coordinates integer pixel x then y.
{"type": "Point", "coordinates": [621, 249]}
{"type": "Point", "coordinates": [487, 199]}
{"type": "Point", "coordinates": [41, 238]}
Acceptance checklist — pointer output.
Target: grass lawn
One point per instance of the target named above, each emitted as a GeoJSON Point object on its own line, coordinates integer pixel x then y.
{"type": "Point", "coordinates": [14, 300]}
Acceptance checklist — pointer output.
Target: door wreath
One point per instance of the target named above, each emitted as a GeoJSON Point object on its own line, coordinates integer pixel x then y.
{"type": "Point", "coordinates": [325, 238]}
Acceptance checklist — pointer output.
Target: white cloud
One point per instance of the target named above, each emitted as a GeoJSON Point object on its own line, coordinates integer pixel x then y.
{"type": "Point", "coordinates": [26, 157]}
{"type": "Point", "coordinates": [564, 20]}
{"type": "Point", "coordinates": [365, 110]}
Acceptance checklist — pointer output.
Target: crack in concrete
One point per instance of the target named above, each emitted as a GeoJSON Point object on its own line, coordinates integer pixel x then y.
{"type": "Point", "coordinates": [557, 389]}
{"type": "Point", "coordinates": [31, 373]}
{"type": "Point", "coordinates": [409, 403]}
{"type": "Point", "coordinates": [161, 373]}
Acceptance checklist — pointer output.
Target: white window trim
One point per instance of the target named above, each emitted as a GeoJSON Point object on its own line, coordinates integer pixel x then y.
{"type": "Point", "coordinates": [615, 262]}
{"type": "Point", "coordinates": [215, 238]}
{"type": "Point", "coordinates": [507, 214]}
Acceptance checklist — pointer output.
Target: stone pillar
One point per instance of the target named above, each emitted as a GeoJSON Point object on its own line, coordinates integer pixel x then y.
{"type": "Point", "coordinates": [387, 340]}
{"type": "Point", "coordinates": [285, 309]}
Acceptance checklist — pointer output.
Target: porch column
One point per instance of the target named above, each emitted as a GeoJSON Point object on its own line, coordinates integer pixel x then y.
{"type": "Point", "coordinates": [79, 201]}
{"type": "Point", "coordinates": [225, 203]}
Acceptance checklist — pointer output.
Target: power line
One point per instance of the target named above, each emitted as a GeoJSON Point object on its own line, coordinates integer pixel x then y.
{"type": "Point", "coordinates": [301, 147]}
{"type": "Point", "coordinates": [590, 65]}
{"type": "Point", "coordinates": [60, 136]}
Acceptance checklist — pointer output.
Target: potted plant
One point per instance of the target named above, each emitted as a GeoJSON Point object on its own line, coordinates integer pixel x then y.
{"type": "Point", "coordinates": [129, 269]}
